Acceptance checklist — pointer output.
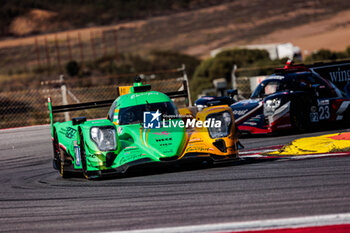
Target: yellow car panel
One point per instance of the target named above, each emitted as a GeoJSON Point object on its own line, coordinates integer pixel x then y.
{"type": "Point", "coordinates": [202, 144]}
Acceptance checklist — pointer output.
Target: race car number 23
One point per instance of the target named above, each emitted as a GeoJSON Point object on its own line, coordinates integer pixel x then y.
{"type": "Point", "coordinates": [324, 113]}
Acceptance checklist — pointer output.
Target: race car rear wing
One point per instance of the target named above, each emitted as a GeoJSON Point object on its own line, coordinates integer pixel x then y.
{"type": "Point", "coordinates": [106, 103]}
{"type": "Point", "coordinates": [103, 103]}
{"type": "Point", "coordinates": [338, 72]}
{"type": "Point", "coordinates": [80, 106]}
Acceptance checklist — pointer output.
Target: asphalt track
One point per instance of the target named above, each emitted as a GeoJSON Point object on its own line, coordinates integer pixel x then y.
{"type": "Point", "coordinates": [34, 198]}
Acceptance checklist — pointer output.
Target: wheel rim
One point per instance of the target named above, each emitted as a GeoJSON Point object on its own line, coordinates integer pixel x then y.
{"type": "Point", "coordinates": [62, 169]}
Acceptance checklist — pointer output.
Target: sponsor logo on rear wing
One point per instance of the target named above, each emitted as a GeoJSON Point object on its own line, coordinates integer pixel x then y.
{"type": "Point", "coordinates": [336, 72]}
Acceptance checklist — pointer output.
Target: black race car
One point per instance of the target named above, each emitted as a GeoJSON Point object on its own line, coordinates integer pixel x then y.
{"type": "Point", "coordinates": [292, 98]}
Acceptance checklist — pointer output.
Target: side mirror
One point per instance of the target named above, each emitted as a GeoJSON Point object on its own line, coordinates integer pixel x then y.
{"type": "Point", "coordinates": [232, 93]}
{"type": "Point", "coordinates": [78, 120]}
{"type": "Point", "coordinates": [302, 85]}
{"type": "Point", "coordinates": [315, 86]}
{"type": "Point", "coordinates": [214, 103]}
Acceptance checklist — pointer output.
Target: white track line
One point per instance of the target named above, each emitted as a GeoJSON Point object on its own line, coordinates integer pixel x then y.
{"type": "Point", "coordinates": [251, 156]}
{"type": "Point", "coordinates": [320, 220]}
{"type": "Point", "coordinates": [296, 157]}
{"type": "Point", "coordinates": [256, 151]}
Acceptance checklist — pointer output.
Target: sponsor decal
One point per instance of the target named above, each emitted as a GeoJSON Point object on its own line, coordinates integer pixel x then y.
{"type": "Point", "coordinates": [162, 133]}
{"type": "Point", "coordinates": [195, 140]}
{"type": "Point", "coordinates": [70, 132]}
{"type": "Point", "coordinates": [276, 77]}
{"type": "Point", "coordinates": [314, 117]}
{"type": "Point", "coordinates": [198, 149]}
{"type": "Point", "coordinates": [163, 139]}
{"type": "Point", "coordinates": [120, 130]}
{"type": "Point", "coordinates": [77, 153]}
{"type": "Point", "coordinates": [240, 112]}
{"type": "Point", "coordinates": [143, 94]}
{"type": "Point", "coordinates": [207, 98]}
{"type": "Point", "coordinates": [250, 123]}
{"type": "Point", "coordinates": [239, 119]}
{"type": "Point", "coordinates": [340, 75]}
{"type": "Point", "coordinates": [168, 151]}
{"type": "Point", "coordinates": [343, 107]}
{"type": "Point", "coordinates": [323, 102]}
{"type": "Point", "coordinates": [130, 157]}
{"type": "Point", "coordinates": [256, 118]}
{"type": "Point", "coordinates": [165, 144]}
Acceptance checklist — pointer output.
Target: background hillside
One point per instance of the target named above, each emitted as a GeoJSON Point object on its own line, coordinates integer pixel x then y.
{"type": "Point", "coordinates": [24, 17]}
{"type": "Point", "coordinates": [193, 27]}
{"type": "Point", "coordinates": [41, 37]}
{"type": "Point", "coordinates": [103, 43]}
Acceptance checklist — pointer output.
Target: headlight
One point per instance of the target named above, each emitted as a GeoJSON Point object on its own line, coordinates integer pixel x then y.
{"type": "Point", "coordinates": [226, 122]}
{"type": "Point", "coordinates": [104, 138]}
{"type": "Point", "coordinates": [270, 106]}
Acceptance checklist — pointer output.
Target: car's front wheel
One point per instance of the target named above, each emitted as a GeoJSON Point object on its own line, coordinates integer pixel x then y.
{"type": "Point", "coordinates": [300, 114]}
{"type": "Point", "coordinates": [346, 118]}
{"type": "Point", "coordinates": [59, 162]}
{"type": "Point", "coordinates": [56, 152]}
{"type": "Point", "coordinates": [83, 155]}
{"type": "Point", "coordinates": [63, 165]}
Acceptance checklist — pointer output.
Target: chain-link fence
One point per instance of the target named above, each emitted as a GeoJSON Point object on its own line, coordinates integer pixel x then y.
{"type": "Point", "coordinates": [56, 50]}
{"type": "Point", "coordinates": [29, 107]}
{"type": "Point", "coordinates": [247, 85]}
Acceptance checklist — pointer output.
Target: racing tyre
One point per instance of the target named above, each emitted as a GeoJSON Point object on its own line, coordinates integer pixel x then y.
{"type": "Point", "coordinates": [56, 153]}
{"type": "Point", "coordinates": [64, 166]}
{"type": "Point", "coordinates": [59, 158]}
{"type": "Point", "coordinates": [300, 110]}
{"type": "Point", "coordinates": [88, 175]}
{"type": "Point", "coordinates": [83, 155]}
{"type": "Point", "coordinates": [346, 119]}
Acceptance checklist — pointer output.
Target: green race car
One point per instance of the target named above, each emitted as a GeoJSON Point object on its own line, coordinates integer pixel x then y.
{"type": "Point", "coordinates": [108, 146]}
